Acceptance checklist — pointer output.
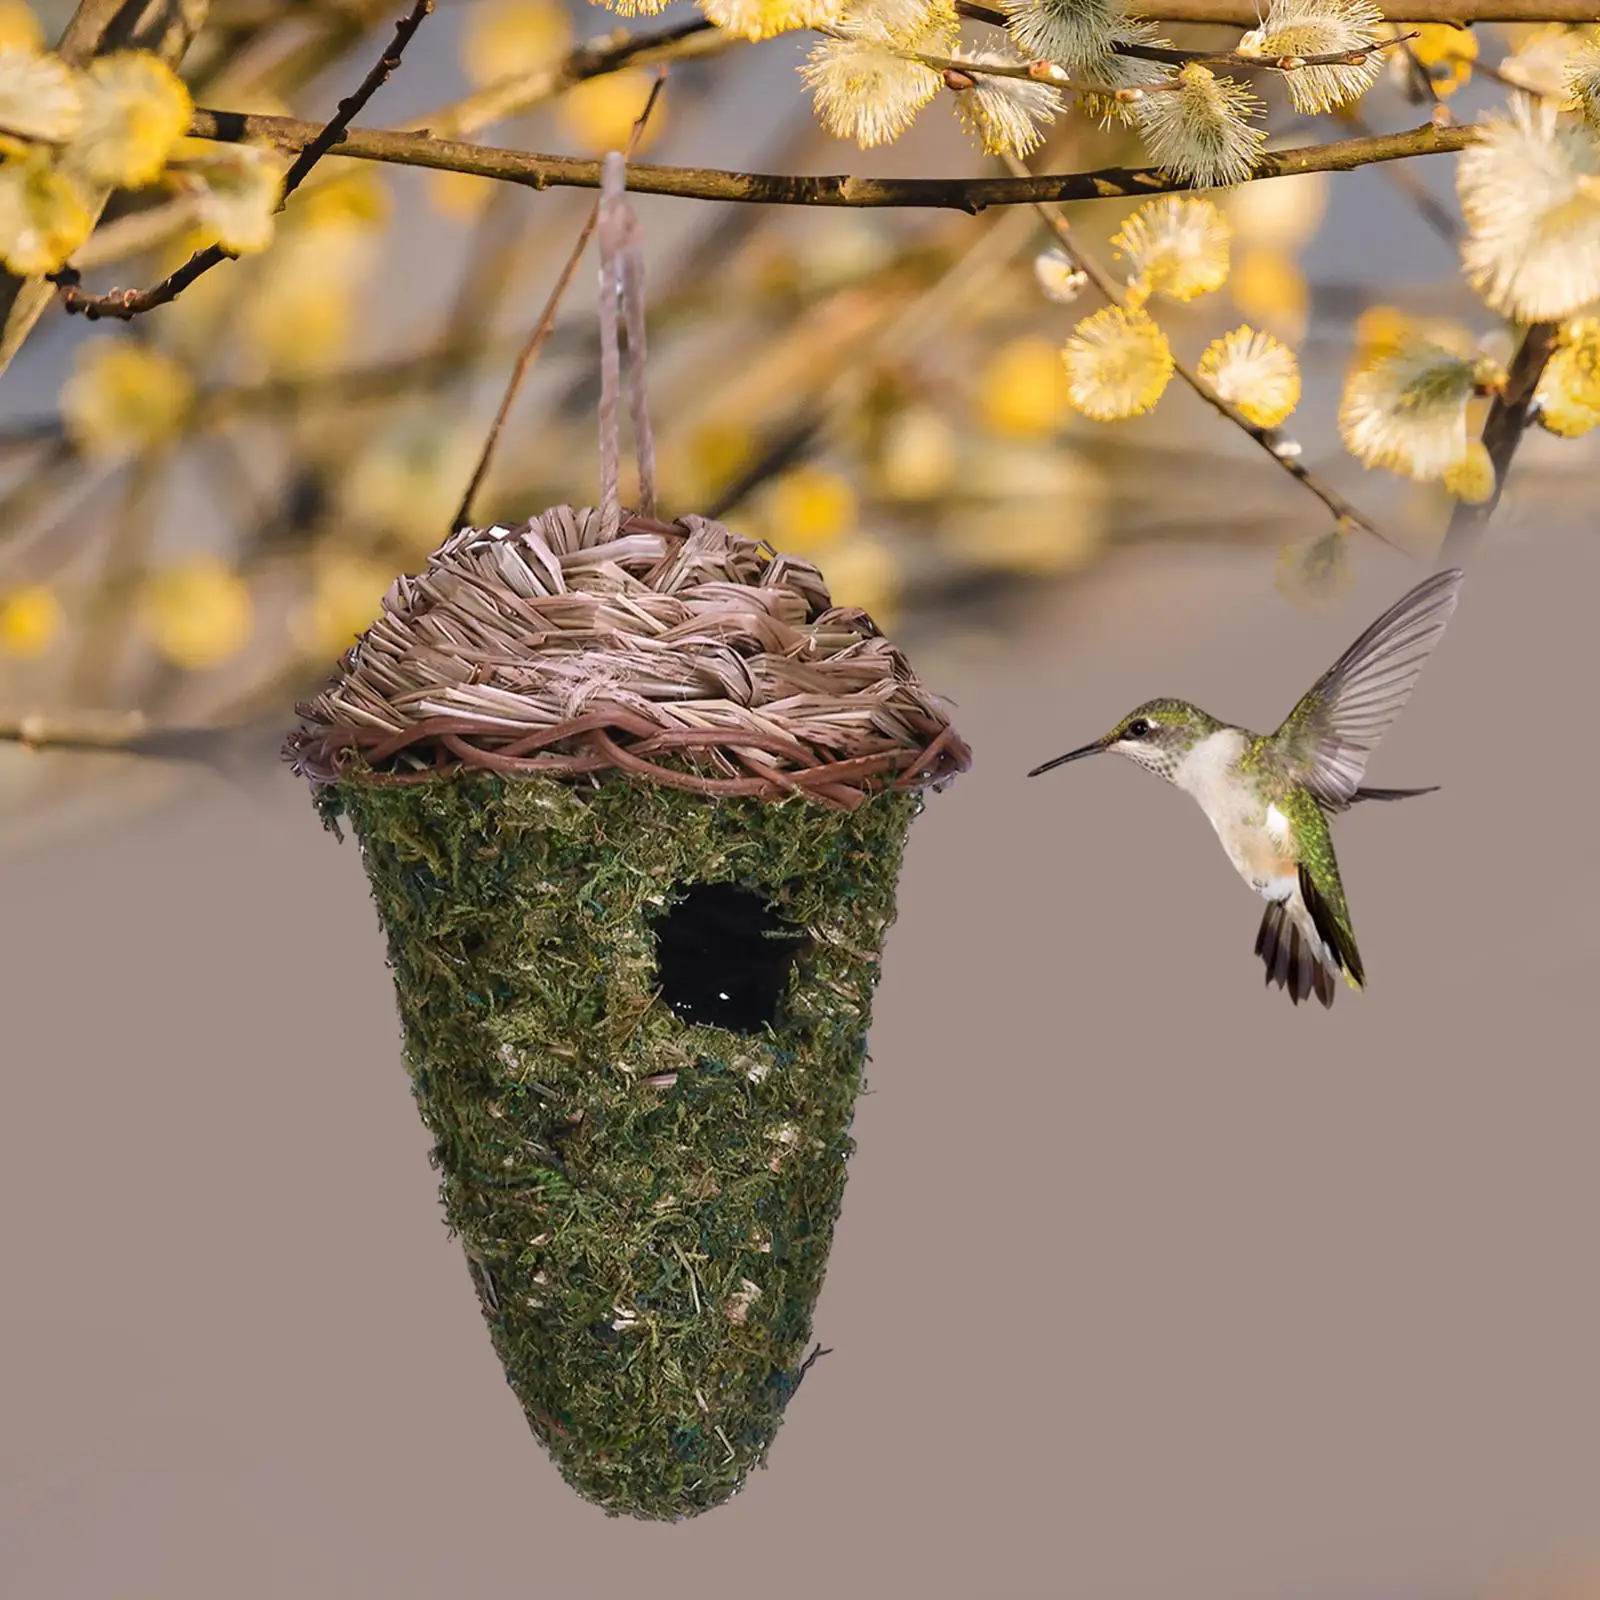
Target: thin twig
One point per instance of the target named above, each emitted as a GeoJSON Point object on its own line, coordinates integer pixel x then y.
{"type": "Point", "coordinates": [1422, 80]}
{"type": "Point", "coordinates": [691, 39]}
{"type": "Point", "coordinates": [955, 68]}
{"type": "Point", "coordinates": [125, 304]}
{"type": "Point", "coordinates": [547, 321]}
{"type": "Point", "coordinates": [1266, 438]}
{"type": "Point", "coordinates": [38, 731]}
{"type": "Point", "coordinates": [1503, 429]}
{"type": "Point", "coordinates": [536, 171]}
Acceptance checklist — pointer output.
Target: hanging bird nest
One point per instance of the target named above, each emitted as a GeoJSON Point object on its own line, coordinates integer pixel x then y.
{"type": "Point", "coordinates": [632, 796]}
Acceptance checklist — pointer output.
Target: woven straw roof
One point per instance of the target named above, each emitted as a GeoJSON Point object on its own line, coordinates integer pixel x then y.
{"type": "Point", "coordinates": [678, 652]}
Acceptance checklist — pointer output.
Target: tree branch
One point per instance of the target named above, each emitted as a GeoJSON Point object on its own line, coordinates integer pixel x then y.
{"type": "Point", "coordinates": [420, 149]}
{"type": "Point", "coordinates": [1503, 429]}
{"type": "Point", "coordinates": [126, 304]}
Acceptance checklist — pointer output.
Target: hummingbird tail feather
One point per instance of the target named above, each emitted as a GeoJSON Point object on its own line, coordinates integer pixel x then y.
{"type": "Point", "coordinates": [1392, 794]}
{"type": "Point", "coordinates": [1334, 931]}
{"type": "Point", "coordinates": [1294, 954]}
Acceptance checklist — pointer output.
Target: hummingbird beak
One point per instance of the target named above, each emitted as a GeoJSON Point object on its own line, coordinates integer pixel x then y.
{"type": "Point", "coordinates": [1071, 755]}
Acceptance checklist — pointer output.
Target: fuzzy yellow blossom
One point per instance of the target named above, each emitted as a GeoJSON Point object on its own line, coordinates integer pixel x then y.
{"type": "Point", "coordinates": [1530, 192]}
{"type": "Point", "coordinates": [1278, 213]}
{"type": "Point", "coordinates": [1541, 62]}
{"type": "Point", "coordinates": [1380, 329]}
{"type": "Point", "coordinates": [1201, 131]}
{"type": "Point", "coordinates": [1029, 538]}
{"type": "Point", "coordinates": [30, 619]}
{"type": "Point", "coordinates": [863, 572]}
{"type": "Point", "coordinates": [1405, 407]}
{"type": "Point", "coordinates": [239, 192]}
{"type": "Point", "coordinates": [1471, 479]}
{"type": "Point", "coordinates": [762, 19]}
{"type": "Point", "coordinates": [40, 97]}
{"type": "Point", "coordinates": [44, 216]}
{"type": "Point", "coordinates": [123, 398]}
{"type": "Point", "coordinates": [1115, 70]}
{"type": "Point", "coordinates": [407, 483]}
{"type": "Point", "coordinates": [1445, 53]}
{"type": "Point", "coordinates": [1023, 392]}
{"type": "Point", "coordinates": [1583, 81]}
{"type": "Point", "coordinates": [1058, 277]}
{"type": "Point", "coordinates": [1030, 511]}
{"type": "Point", "coordinates": [1007, 116]}
{"type": "Point", "coordinates": [20, 29]}
{"type": "Point", "coordinates": [599, 113]}
{"type": "Point", "coordinates": [349, 193]}
{"type": "Point", "coordinates": [1269, 288]}
{"type": "Point", "coordinates": [1578, 354]}
{"type": "Point", "coordinates": [917, 455]}
{"type": "Point", "coordinates": [1567, 398]}
{"type": "Point", "coordinates": [301, 316]}
{"type": "Point", "coordinates": [135, 110]}
{"type": "Point", "coordinates": [347, 590]}
{"type": "Point", "coordinates": [902, 20]}
{"type": "Point", "coordinates": [1254, 373]}
{"type": "Point", "coordinates": [1176, 246]}
{"type": "Point", "coordinates": [810, 508]}
{"type": "Point", "coordinates": [863, 87]}
{"type": "Point", "coordinates": [460, 196]}
{"type": "Point", "coordinates": [1563, 416]}
{"type": "Point", "coordinates": [1118, 364]}
{"type": "Point", "coordinates": [1076, 33]}
{"type": "Point", "coordinates": [716, 451]}
{"type": "Point", "coordinates": [197, 613]}
{"type": "Point", "coordinates": [510, 38]}
{"type": "Point", "coordinates": [1318, 28]}
{"type": "Point", "coordinates": [1317, 571]}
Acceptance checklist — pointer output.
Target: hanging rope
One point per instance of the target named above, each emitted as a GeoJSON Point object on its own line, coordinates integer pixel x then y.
{"type": "Point", "coordinates": [622, 283]}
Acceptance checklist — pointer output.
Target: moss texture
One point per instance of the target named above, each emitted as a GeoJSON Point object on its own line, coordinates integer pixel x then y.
{"type": "Point", "coordinates": [646, 1203]}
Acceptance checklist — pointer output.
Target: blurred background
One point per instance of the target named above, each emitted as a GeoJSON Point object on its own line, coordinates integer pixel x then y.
{"type": "Point", "coordinates": [1147, 1284]}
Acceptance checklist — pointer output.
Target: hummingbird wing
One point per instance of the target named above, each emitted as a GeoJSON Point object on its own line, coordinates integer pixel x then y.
{"type": "Point", "coordinates": [1327, 739]}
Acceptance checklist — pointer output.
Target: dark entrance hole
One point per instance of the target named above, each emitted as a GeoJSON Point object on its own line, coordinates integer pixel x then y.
{"type": "Point", "coordinates": [723, 956]}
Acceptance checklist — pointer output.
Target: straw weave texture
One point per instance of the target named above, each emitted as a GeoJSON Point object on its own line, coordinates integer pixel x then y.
{"type": "Point", "coordinates": [677, 652]}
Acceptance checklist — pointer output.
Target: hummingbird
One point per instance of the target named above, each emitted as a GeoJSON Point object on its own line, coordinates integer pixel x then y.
{"type": "Point", "coordinates": [1270, 796]}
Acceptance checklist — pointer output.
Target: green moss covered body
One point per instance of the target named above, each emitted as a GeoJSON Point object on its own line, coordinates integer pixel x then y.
{"type": "Point", "coordinates": [646, 1203]}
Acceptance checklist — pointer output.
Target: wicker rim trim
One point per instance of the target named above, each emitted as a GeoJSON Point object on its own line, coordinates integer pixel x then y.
{"type": "Point", "coordinates": [678, 653]}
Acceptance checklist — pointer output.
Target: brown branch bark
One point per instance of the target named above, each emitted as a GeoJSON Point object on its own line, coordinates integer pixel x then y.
{"type": "Point", "coordinates": [1503, 429]}
{"type": "Point", "coordinates": [126, 304]}
{"type": "Point", "coordinates": [420, 149]}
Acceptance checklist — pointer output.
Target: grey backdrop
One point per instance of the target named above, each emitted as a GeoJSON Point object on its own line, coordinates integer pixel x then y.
{"type": "Point", "coordinates": [1147, 1285]}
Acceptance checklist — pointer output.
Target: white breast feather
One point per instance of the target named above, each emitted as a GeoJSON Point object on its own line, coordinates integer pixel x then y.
{"type": "Point", "coordinates": [1207, 772]}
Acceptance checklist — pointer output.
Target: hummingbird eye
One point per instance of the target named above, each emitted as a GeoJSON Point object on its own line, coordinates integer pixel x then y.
{"type": "Point", "coordinates": [1136, 729]}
